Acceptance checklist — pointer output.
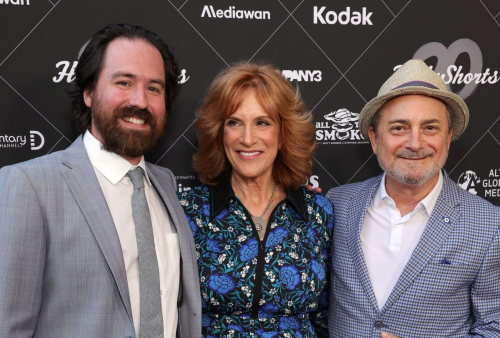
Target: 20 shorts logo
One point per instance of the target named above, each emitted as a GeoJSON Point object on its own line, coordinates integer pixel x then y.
{"type": "Point", "coordinates": [68, 72]}
{"type": "Point", "coordinates": [18, 141]}
{"type": "Point", "coordinates": [341, 127]}
{"type": "Point", "coordinates": [488, 187]}
{"type": "Point", "coordinates": [343, 18]}
{"type": "Point", "coordinates": [303, 75]}
{"type": "Point", "coordinates": [450, 73]}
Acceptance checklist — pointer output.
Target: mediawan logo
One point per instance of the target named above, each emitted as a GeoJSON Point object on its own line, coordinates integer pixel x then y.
{"type": "Point", "coordinates": [233, 13]}
{"type": "Point", "coordinates": [341, 127]}
{"type": "Point", "coordinates": [450, 73]}
{"type": "Point", "coordinates": [68, 72]}
{"type": "Point", "coordinates": [15, 2]}
{"type": "Point", "coordinates": [303, 75]}
{"type": "Point", "coordinates": [488, 187]}
{"type": "Point", "coordinates": [343, 18]}
{"type": "Point", "coordinates": [10, 141]}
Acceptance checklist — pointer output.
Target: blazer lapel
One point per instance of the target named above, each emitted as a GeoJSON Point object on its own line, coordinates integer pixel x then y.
{"type": "Point", "coordinates": [84, 186]}
{"type": "Point", "coordinates": [437, 230]}
{"type": "Point", "coordinates": [356, 217]}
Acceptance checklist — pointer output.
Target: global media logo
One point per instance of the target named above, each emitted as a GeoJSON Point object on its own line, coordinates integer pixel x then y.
{"type": "Point", "coordinates": [486, 187]}
{"type": "Point", "coordinates": [340, 127]}
{"type": "Point", "coordinates": [19, 141]}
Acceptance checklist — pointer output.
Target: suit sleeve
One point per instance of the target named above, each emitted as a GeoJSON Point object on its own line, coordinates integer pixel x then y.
{"type": "Point", "coordinates": [485, 292]}
{"type": "Point", "coordinates": [22, 254]}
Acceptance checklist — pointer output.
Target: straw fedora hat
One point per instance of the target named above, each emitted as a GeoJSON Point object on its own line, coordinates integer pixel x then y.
{"type": "Point", "coordinates": [415, 77]}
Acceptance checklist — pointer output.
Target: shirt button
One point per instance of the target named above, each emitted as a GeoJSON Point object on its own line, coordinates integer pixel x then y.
{"type": "Point", "coordinates": [378, 324]}
{"type": "Point", "coordinates": [161, 292]}
{"type": "Point", "coordinates": [397, 226]}
{"type": "Point", "coordinates": [389, 203]}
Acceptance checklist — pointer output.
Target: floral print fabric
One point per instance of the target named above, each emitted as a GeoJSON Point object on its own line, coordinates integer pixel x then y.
{"type": "Point", "coordinates": [274, 288]}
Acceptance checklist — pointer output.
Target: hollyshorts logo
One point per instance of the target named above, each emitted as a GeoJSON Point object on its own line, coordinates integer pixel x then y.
{"type": "Point", "coordinates": [15, 2]}
{"type": "Point", "coordinates": [180, 187]}
{"type": "Point", "coordinates": [450, 73]}
{"type": "Point", "coordinates": [341, 127]}
{"type": "Point", "coordinates": [67, 71]}
{"type": "Point", "coordinates": [487, 187]}
{"type": "Point", "coordinates": [303, 75]}
{"type": "Point", "coordinates": [18, 141]}
{"type": "Point", "coordinates": [323, 17]}
{"type": "Point", "coordinates": [233, 13]}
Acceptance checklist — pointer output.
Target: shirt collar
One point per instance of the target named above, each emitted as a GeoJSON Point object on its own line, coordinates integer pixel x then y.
{"type": "Point", "coordinates": [223, 192]}
{"type": "Point", "coordinates": [112, 166]}
{"type": "Point", "coordinates": [428, 202]}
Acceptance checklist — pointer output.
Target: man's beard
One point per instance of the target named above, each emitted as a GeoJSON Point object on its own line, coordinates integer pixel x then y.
{"type": "Point", "coordinates": [411, 174]}
{"type": "Point", "coordinates": [129, 142]}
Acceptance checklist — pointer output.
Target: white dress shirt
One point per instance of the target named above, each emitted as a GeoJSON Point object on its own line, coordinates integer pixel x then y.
{"type": "Point", "coordinates": [388, 240]}
{"type": "Point", "coordinates": [110, 170]}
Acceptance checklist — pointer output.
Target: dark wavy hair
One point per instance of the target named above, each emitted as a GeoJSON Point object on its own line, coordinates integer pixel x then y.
{"type": "Point", "coordinates": [90, 65]}
{"type": "Point", "coordinates": [279, 99]}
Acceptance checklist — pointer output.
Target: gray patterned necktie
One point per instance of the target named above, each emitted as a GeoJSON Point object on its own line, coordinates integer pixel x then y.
{"type": "Point", "coordinates": [149, 278]}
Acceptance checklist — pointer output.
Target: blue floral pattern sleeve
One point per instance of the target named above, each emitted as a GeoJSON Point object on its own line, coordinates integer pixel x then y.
{"type": "Point", "coordinates": [274, 288]}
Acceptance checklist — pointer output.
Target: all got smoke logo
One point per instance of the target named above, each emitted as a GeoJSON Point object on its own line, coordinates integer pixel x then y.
{"type": "Point", "coordinates": [452, 74]}
{"type": "Point", "coordinates": [19, 141]}
{"type": "Point", "coordinates": [340, 127]}
{"type": "Point", "coordinates": [486, 187]}
{"type": "Point", "coordinates": [67, 71]}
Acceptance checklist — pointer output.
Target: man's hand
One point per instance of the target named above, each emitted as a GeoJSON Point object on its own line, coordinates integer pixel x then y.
{"type": "Point", "coordinates": [388, 335]}
{"type": "Point", "coordinates": [308, 187]}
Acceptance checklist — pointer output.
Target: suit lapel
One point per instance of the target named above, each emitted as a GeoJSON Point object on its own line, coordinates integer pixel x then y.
{"type": "Point", "coordinates": [437, 230]}
{"type": "Point", "coordinates": [359, 205]}
{"type": "Point", "coordinates": [84, 186]}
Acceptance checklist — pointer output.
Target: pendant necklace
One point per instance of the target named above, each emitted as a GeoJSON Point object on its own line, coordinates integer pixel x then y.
{"type": "Point", "coordinates": [259, 221]}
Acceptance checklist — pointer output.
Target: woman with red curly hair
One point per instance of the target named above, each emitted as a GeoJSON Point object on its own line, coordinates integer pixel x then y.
{"type": "Point", "coordinates": [263, 241]}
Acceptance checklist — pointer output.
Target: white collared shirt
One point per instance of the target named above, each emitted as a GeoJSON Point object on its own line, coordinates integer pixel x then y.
{"type": "Point", "coordinates": [388, 240]}
{"type": "Point", "coordinates": [110, 170]}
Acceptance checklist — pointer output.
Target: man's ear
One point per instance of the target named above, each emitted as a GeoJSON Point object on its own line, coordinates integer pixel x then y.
{"type": "Point", "coordinates": [373, 139]}
{"type": "Point", "coordinates": [87, 97]}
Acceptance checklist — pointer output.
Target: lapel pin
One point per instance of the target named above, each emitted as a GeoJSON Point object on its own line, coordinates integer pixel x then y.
{"type": "Point", "coordinates": [446, 219]}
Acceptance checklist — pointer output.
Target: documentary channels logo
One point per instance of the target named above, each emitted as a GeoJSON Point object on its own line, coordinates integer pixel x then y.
{"type": "Point", "coordinates": [450, 73]}
{"type": "Point", "coordinates": [320, 16]}
{"type": "Point", "coordinates": [233, 13]}
{"type": "Point", "coordinates": [15, 2]}
{"type": "Point", "coordinates": [341, 127]}
{"type": "Point", "coordinates": [67, 71]}
{"type": "Point", "coordinates": [303, 75]}
{"type": "Point", "coordinates": [488, 187]}
{"type": "Point", "coordinates": [10, 141]}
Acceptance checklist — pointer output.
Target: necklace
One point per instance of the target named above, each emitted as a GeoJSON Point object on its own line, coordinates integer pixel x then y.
{"type": "Point", "coordinates": [259, 221]}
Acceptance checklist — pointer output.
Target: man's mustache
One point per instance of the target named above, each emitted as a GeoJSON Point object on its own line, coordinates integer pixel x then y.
{"type": "Point", "coordinates": [414, 154]}
{"type": "Point", "coordinates": [142, 114]}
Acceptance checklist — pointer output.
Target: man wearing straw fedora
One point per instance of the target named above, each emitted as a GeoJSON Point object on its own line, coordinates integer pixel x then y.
{"type": "Point", "coordinates": [414, 255]}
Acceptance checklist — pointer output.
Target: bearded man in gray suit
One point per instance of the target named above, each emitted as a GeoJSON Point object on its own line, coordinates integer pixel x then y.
{"type": "Point", "coordinates": [93, 242]}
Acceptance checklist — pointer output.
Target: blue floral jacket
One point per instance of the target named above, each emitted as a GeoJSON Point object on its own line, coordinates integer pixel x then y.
{"type": "Point", "coordinates": [274, 288]}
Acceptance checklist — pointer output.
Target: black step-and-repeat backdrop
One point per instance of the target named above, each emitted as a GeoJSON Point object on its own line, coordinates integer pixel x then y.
{"type": "Point", "coordinates": [339, 52]}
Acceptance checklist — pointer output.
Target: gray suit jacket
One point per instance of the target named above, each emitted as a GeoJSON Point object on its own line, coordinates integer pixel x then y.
{"type": "Point", "coordinates": [61, 265]}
